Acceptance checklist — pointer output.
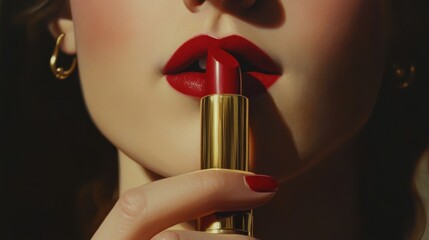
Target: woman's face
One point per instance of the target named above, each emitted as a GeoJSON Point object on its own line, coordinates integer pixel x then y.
{"type": "Point", "coordinates": [330, 53]}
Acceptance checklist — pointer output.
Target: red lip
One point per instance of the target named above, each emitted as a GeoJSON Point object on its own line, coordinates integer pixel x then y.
{"type": "Point", "coordinates": [258, 69]}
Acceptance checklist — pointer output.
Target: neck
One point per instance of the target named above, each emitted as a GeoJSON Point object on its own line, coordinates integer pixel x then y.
{"type": "Point", "coordinates": [132, 175]}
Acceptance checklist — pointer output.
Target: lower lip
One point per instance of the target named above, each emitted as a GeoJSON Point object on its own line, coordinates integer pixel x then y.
{"type": "Point", "coordinates": [193, 83]}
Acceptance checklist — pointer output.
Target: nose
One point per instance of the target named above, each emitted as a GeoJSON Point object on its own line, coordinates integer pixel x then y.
{"type": "Point", "coordinates": [193, 5]}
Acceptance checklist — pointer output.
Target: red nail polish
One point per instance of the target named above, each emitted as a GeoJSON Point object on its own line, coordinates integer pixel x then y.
{"type": "Point", "coordinates": [261, 183]}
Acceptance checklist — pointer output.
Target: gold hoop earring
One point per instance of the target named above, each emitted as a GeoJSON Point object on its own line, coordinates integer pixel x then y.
{"type": "Point", "coordinates": [59, 72]}
{"type": "Point", "coordinates": [404, 76]}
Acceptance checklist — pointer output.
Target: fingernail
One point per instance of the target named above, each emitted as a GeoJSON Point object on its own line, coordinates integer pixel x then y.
{"type": "Point", "coordinates": [261, 183]}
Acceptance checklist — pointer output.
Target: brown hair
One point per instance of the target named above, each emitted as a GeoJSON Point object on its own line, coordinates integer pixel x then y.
{"type": "Point", "coordinates": [41, 12]}
{"type": "Point", "coordinates": [61, 172]}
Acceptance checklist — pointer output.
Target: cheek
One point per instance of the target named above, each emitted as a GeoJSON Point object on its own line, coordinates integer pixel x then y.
{"type": "Point", "coordinates": [109, 48]}
{"type": "Point", "coordinates": [333, 68]}
{"type": "Point", "coordinates": [115, 31]}
{"type": "Point", "coordinates": [120, 65]}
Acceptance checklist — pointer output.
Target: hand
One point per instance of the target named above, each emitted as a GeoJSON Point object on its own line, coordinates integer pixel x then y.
{"type": "Point", "coordinates": [146, 211]}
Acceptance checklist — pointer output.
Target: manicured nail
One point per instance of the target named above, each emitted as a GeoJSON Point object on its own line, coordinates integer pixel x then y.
{"type": "Point", "coordinates": [261, 183]}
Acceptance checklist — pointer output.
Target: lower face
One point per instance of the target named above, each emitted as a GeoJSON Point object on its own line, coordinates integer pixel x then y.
{"type": "Point", "coordinates": [330, 53]}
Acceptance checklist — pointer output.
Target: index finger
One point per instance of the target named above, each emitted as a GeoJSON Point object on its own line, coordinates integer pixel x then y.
{"type": "Point", "coordinates": [144, 211]}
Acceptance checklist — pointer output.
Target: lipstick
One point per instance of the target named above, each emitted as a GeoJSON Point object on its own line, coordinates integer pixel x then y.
{"type": "Point", "coordinates": [224, 134]}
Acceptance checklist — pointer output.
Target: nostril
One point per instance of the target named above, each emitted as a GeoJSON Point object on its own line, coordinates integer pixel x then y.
{"type": "Point", "coordinates": [239, 4]}
{"type": "Point", "coordinates": [229, 5]}
{"type": "Point", "coordinates": [193, 5]}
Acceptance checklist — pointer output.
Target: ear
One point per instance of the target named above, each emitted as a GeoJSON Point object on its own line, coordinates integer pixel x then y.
{"type": "Point", "coordinates": [65, 26]}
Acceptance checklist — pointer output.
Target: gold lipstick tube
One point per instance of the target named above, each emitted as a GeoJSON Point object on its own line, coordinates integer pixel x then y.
{"type": "Point", "coordinates": [225, 144]}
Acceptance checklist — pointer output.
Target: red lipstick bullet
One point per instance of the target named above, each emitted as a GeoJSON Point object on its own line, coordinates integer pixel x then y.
{"type": "Point", "coordinates": [223, 73]}
{"type": "Point", "coordinates": [224, 134]}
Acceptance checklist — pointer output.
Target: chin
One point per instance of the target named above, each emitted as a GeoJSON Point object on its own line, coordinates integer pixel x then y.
{"type": "Point", "coordinates": [169, 169]}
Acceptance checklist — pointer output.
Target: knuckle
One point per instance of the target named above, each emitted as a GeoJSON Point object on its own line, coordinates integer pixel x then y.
{"type": "Point", "coordinates": [132, 204]}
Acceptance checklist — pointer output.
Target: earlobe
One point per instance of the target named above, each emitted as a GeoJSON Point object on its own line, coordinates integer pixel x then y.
{"type": "Point", "coordinates": [65, 26]}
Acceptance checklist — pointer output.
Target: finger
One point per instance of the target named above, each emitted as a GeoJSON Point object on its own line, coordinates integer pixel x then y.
{"type": "Point", "coordinates": [144, 211]}
{"type": "Point", "coordinates": [193, 235]}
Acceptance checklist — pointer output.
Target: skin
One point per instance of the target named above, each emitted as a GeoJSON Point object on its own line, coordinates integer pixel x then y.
{"type": "Point", "coordinates": [331, 53]}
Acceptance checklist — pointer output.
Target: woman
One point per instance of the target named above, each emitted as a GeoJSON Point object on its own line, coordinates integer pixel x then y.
{"type": "Point", "coordinates": [330, 59]}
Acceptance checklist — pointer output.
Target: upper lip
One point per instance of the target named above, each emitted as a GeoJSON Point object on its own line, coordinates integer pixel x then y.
{"type": "Point", "coordinates": [247, 53]}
